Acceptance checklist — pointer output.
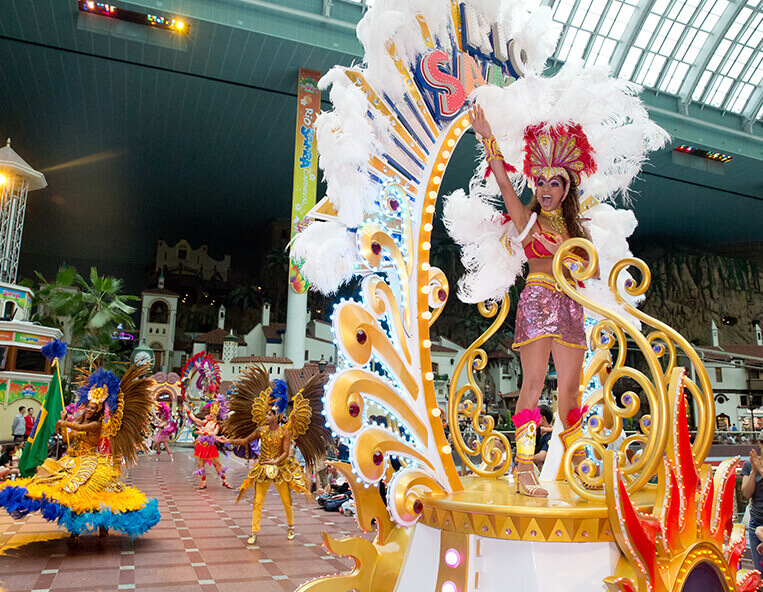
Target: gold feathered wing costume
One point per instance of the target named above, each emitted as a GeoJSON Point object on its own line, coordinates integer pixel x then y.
{"type": "Point", "coordinates": [249, 404]}
{"type": "Point", "coordinates": [83, 490]}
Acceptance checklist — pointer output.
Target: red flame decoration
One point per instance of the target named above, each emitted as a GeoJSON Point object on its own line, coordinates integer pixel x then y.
{"type": "Point", "coordinates": [696, 508]}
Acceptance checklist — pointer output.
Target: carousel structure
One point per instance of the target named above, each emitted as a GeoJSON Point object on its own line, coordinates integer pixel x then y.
{"type": "Point", "coordinates": [640, 513]}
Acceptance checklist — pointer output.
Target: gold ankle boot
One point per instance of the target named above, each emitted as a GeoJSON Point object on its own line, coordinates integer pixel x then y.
{"type": "Point", "coordinates": [526, 423]}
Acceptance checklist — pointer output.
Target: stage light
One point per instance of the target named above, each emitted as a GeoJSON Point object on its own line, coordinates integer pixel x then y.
{"type": "Point", "coordinates": [449, 586]}
{"type": "Point", "coordinates": [452, 558]}
{"type": "Point", "coordinates": [131, 16]}
{"type": "Point", "coordinates": [717, 156]}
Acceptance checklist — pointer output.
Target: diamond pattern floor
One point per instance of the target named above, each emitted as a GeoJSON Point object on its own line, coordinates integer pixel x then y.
{"type": "Point", "coordinates": [199, 545]}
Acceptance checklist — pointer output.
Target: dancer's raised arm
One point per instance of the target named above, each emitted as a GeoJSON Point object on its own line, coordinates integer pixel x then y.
{"type": "Point", "coordinates": [519, 214]}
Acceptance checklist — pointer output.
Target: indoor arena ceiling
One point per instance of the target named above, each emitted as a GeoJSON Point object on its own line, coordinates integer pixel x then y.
{"type": "Point", "coordinates": [147, 135]}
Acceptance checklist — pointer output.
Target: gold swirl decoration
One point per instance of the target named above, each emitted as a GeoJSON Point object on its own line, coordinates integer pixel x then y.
{"type": "Point", "coordinates": [406, 489]}
{"type": "Point", "coordinates": [609, 338]}
{"type": "Point", "coordinates": [498, 461]}
{"type": "Point", "coordinates": [386, 340]}
{"type": "Point", "coordinates": [376, 564]}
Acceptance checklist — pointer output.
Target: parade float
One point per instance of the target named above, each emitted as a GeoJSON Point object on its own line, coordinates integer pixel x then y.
{"type": "Point", "coordinates": [642, 512]}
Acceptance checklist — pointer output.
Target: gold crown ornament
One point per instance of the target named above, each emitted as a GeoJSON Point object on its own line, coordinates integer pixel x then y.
{"type": "Point", "coordinates": [98, 394]}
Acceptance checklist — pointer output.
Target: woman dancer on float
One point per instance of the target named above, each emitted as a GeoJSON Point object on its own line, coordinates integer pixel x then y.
{"type": "Point", "coordinates": [548, 321]}
{"type": "Point", "coordinates": [205, 446]}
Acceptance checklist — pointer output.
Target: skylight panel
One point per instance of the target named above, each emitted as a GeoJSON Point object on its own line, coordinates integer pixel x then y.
{"type": "Point", "coordinates": [652, 71]}
{"type": "Point", "coordinates": [700, 88]}
{"type": "Point", "coordinates": [754, 74]}
{"type": "Point", "coordinates": [634, 53]}
{"type": "Point", "coordinates": [562, 12]}
{"type": "Point", "coordinates": [718, 91]}
{"type": "Point", "coordinates": [676, 73]}
{"type": "Point", "coordinates": [740, 97]}
{"type": "Point", "coordinates": [647, 30]}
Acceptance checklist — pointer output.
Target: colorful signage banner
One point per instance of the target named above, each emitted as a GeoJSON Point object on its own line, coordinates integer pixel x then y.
{"type": "Point", "coordinates": [28, 390]}
{"type": "Point", "coordinates": [305, 163]}
{"type": "Point", "coordinates": [20, 298]}
{"type": "Point", "coordinates": [6, 335]}
{"type": "Point", "coordinates": [32, 339]}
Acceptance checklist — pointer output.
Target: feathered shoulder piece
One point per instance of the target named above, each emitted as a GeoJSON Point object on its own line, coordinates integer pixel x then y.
{"type": "Point", "coordinates": [248, 405]}
{"type": "Point", "coordinates": [306, 422]}
{"type": "Point", "coordinates": [131, 418]}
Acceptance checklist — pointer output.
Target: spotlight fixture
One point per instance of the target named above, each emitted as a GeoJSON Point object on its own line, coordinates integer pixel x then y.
{"type": "Point", "coordinates": [730, 321]}
{"type": "Point", "coordinates": [131, 16]}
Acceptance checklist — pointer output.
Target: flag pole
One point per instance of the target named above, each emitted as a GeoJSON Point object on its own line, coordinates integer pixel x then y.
{"type": "Point", "coordinates": [61, 392]}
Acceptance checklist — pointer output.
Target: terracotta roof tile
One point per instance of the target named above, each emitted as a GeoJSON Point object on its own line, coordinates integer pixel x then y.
{"type": "Point", "coordinates": [274, 331]}
{"type": "Point", "coordinates": [261, 359]}
{"type": "Point", "coordinates": [215, 337]}
{"type": "Point", "coordinates": [442, 349]}
{"type": "Point", "coordinates": [296, 378]}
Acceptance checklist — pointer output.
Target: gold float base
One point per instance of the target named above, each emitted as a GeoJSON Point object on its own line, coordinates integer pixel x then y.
{"type": "Point", "coordinates": [492, 508]}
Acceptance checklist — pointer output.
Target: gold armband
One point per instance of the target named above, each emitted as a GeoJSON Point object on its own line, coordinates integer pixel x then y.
{"type": "Point", "coordinates": [492, 152]}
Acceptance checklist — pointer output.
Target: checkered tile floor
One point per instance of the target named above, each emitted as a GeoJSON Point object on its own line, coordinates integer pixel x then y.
{"type": "Point", "coordinates": [199, 545]}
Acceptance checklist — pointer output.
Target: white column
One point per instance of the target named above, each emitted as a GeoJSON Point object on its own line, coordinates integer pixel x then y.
{"type": "Point", "coordinates": [296, 327]}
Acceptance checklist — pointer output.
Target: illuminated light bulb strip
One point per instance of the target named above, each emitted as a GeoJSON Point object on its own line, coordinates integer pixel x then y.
{"type": "Point", "coordinates": [423, 272]}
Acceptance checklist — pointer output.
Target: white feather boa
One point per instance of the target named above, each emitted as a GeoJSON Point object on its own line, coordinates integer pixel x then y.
{"type": "Point", "coordinates": [478, 228]}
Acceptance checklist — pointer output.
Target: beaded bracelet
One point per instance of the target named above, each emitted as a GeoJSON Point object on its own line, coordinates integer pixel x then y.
{"type": "Point", "coordinates": [492, 152]}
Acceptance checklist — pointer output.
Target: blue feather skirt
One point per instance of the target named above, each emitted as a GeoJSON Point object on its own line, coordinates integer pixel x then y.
{"type": "Point", "coordinates": [18, 503]}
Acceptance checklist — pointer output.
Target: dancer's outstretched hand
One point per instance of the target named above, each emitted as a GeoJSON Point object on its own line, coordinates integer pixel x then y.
{"type": "Point", "coordinates": [479, 122]}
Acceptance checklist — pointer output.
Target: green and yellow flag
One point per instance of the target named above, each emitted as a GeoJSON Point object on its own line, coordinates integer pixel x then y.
{"type": "Point", "coordinates": [36, 449]}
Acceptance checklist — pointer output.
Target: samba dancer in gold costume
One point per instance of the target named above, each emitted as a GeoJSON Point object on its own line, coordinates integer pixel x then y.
{"type": "Point", "coordinates": [255, 401]}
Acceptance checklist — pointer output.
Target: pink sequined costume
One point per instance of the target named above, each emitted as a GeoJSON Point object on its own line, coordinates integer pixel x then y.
{"type": "Point", "coordinates": [545, 311]}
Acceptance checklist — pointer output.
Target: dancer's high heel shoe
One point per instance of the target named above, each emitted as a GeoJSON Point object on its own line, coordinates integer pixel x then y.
{"type": "Point", "coordinates": [534, 489]}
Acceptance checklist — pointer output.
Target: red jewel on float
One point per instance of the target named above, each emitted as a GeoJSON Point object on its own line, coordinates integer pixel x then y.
{"type": "Point", "coordinates": [418, 506]}
{"type": "Point", "coordinates": [361, 336]}
{"type": "Point", "coordinates": [378, 458]}
{"type": "Point", "coordinates": [393, 204]}
{"type": "Point", "coordinates": [354, 409]}
{"type": "Point", "coordinates": [442, 295]}
{"type": "Point", "coordinates": [375, 248]}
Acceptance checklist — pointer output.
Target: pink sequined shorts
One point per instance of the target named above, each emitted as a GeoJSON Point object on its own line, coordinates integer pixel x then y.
{"type": "Point", "coordinates": [543, 311]}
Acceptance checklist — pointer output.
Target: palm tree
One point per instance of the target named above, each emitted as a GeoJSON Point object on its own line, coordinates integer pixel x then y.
{"type": "Point", "coordinates": [92, 310]}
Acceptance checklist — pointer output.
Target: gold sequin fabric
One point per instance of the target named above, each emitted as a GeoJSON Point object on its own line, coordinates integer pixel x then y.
{"type": "Point", "coordinates": [545, 312]}
{"type": "Point", "coordinates": [287, 470]}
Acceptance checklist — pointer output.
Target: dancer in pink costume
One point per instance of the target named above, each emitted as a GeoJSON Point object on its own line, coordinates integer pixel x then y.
{"type": "Point", "coordinates": [165, 429]}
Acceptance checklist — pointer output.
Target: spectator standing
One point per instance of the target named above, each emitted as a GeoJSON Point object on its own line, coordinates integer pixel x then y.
{"type": "Point", "coordinates": [545, 430]}
{"type": "Point", "coordinates": [18, 428]}
{"type": "Point", "coordinates": [752, 489]}
{"type": "Point", "coordinates": [29, 421]}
